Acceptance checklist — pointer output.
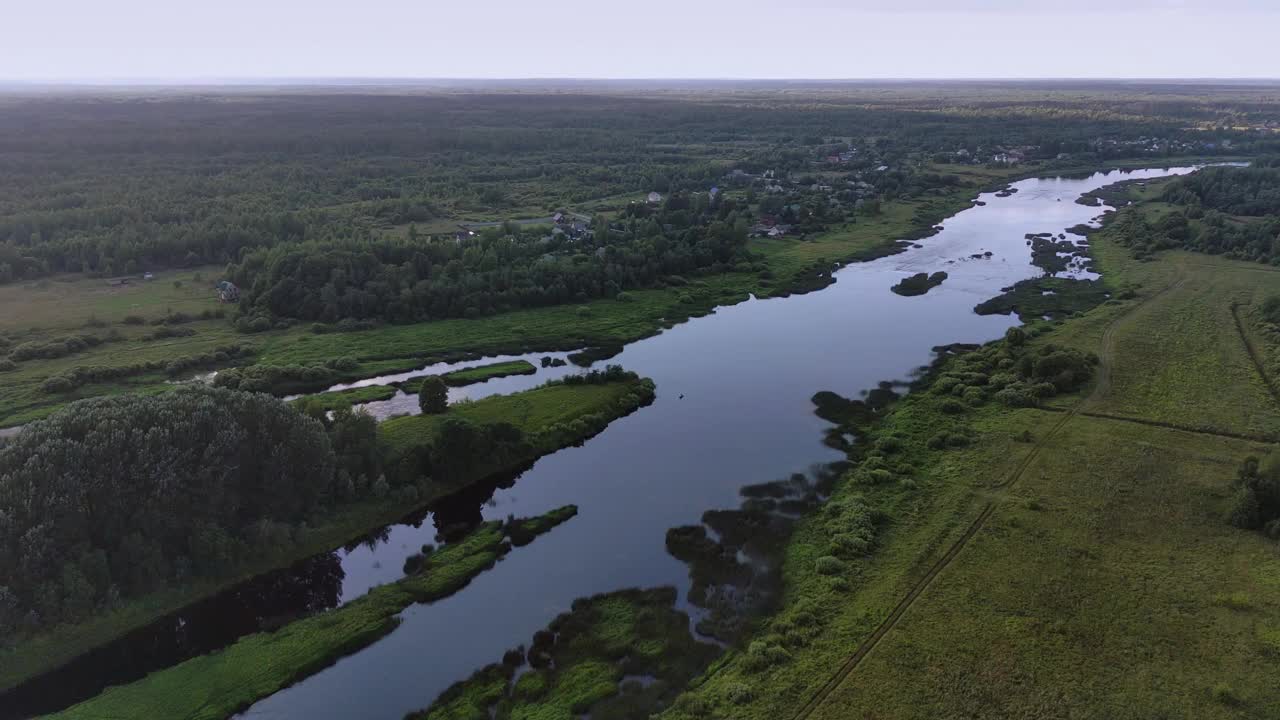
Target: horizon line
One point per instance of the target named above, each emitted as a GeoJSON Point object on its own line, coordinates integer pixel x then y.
{"type": "Point", "coordinates": [209, 80]}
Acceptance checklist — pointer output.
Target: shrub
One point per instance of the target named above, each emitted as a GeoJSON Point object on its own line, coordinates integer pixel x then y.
{"type": "Point", "coordinates": [888, 444]}
{"type": "Point", "coordinates": [1225, 694]}
{"type": "Point", "coordinates": [739, 693]}
{"type": "Point", "coordinates": [6, 365]}
{"type": "Point", "coordinates": [57, 384]}
{"type": "Point", "coordinates": [952, 407]}
{"type": "Point", "coordinates": [134, 320]}
{"type": "Point", "coordinates": [829, 565]}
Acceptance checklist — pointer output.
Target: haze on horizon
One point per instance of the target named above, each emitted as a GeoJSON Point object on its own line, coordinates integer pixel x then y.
{"type": "Point", "coordinates": [85, 40]}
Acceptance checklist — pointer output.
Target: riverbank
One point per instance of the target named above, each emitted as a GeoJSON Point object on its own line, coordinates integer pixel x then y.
{"type": "Point", "coordinates": [547, 415]}
{"type": "Point", "coordinates": [218, 685]}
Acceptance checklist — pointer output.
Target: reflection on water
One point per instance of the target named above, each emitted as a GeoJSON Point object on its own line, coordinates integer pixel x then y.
{"type": "Point", "coordinates": [266, 602]}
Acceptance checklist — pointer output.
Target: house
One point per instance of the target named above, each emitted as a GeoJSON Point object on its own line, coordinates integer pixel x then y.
{"type": "Point", "coordinates": [715, 194]}
{"type": "Point", "coordinates": [148, 276]}
{"type": "Point", "coordinates": [228, 292]}
{"type": "Point", "coordinates": [557, 218]}
{"type": "Point", "coordinates": [654, 198]}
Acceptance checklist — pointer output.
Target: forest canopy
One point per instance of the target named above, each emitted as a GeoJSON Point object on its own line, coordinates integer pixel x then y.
{"type": "Point", "coordinates": [117, 496]}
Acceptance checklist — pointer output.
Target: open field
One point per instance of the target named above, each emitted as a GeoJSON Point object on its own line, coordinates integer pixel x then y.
{"type": "Point", "coordinates": [69, 302]}
{"type": "Point", "coordinates": [1111, 552]}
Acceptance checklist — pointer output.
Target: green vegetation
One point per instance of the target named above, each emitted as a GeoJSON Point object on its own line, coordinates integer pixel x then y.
{"type": "Point", "coordinates": [220, 684]}
{"type": "Point", "coordinates": [919, 284]}
{"type": "Point", "coordinates": [1046, 297]}
{"type": "Point", "coordinates": [581, 664]}
{"type": "Point", "coordinates": [433, 395]}
{"type": "Point", "coordinates": [116, 497]}
{"type": "Point", "coordinates": [1230, 211]}
{"type": "Point", "coordinates": [329, 401]}
{"type": "Point", "coordinates": [479, 438]}
{"type": "Point", "coordinates": [480, 373]}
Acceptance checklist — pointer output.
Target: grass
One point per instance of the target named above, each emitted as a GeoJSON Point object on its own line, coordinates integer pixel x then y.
{"type": "Point", "coordinates": [223, 683]}
{"type": "Point", "coordinates": [1119, 567]}
{"type": "Point", "coordinates": [533, 411]}
{"type": "Point", "coordinates": [67, 303]}
{"type": "Point", "coordinates": [545, 413]}
{"type": "Point", "coordinates": [481, 373]}
{"type": "Point", "coordinates": [348, 397]}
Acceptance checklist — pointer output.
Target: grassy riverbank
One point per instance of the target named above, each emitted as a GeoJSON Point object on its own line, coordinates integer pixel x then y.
{"type": "Point", "coordinates": [546, 414]}
{"type": "Point", "coordinates": [220, 684]}
{"type": "Point", "coordinates": [1016, 568]}
{"type": "Point", "coordinates": [480, 373]}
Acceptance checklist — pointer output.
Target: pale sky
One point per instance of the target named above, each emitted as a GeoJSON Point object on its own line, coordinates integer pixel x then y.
{"type": "Point", "coordinates": [246, 39]}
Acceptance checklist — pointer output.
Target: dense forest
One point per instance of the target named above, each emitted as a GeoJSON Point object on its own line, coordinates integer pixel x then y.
{"type": "Point", "coordinates": [1232, 211]}
{"type": "Point", "coordinates": [118, 496]}
{"type": "Point", "coordinates": [118, 184]}
{"type": "Point", "coordinates": [414, 279]}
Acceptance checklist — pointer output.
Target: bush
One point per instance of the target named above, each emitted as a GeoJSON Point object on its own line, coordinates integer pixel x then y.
{"type": "Point", "coordinates": [739, 693]}
{"type": "Point", "coordinates": [952, 407]}
{"type": "Point", "coordinates": [6, 365]}
{"type": "Point", "coordinates": [888, 444]}
{"type": "Point", "coordinates": [57, 384]}
{"type": "Point", "coordinates": [1224, 694]}
{"type": "Point", "coordinates": [829, 565]}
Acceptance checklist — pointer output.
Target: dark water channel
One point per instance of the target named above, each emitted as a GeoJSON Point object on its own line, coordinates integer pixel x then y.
{"type": "Point", "coordinates": [733, 408]}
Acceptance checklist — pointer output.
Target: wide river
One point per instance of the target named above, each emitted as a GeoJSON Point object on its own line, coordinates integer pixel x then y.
{"type": "Point", "coordinates": [733, 408]}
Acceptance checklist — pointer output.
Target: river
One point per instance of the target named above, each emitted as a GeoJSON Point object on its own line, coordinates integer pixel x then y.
{"type": "Point", "coordinates": [733, 408]}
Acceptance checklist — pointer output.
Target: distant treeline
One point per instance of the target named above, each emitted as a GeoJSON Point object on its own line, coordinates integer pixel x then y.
{"type": "Point", "coordinates": [116, 185]}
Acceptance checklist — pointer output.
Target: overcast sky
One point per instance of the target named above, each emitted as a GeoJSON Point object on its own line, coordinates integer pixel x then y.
{"type": "Point", "coordinates": [223, 39]}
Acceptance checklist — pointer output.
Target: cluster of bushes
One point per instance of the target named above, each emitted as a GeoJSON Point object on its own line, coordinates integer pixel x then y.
{"type": "Point", "coordinates": [1256, 505]}
{"type": "Point", "coordinates": [285, 379]}
{"type": "Point", "coordinates": [219, 355]}
{"type": "Point", "coordinates": [62, 347]}
{"type": "Point", "coordinates": [259, 323]}
{"type": "Point", "coordinates": [87, 374]}
{"type": "Point", "coordinates": [180, 318]}
{"type": "Point", "coordinates": [610, 374]}
{"type": "Point", "coordinates": [167, 332]}
{"type": "Point", "coordinates": [344, 325]}
{"type": "Point", "coordinates": [1013, 374]}
{"type": "Point", "coordinates": [919, 284]}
